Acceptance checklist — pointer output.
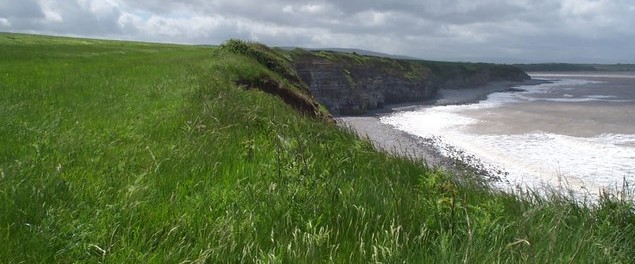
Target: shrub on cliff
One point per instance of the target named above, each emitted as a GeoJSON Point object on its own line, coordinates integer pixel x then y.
{"type": "Point", "coordinates": [287, 86]}
{"type": "Point", "coordinates": [273, 60]}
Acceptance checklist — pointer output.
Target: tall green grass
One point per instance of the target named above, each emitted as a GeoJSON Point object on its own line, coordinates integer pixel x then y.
{"type": "Point", "coordinates": [131, 152]}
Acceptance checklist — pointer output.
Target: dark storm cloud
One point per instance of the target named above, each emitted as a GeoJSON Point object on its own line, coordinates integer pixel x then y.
{"type": "Point", "coordinates": [540, 30]}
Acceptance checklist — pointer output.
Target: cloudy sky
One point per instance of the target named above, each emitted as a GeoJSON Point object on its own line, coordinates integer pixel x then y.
{"type": "Point", "coordinates": [469, 30]}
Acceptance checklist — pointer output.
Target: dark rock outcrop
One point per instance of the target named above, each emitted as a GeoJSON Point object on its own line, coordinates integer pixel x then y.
{"type": "Point", "coordinates": [349, 84]}
{"type": "Point", "coordinates": [298, 101]}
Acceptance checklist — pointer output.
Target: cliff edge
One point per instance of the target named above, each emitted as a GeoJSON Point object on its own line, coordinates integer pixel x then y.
{"type": "Point", "coordinates": [351, 84]}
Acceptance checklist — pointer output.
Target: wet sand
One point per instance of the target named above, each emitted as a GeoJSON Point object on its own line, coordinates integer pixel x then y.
{"type": "Point", "coordinates": [396, 142]}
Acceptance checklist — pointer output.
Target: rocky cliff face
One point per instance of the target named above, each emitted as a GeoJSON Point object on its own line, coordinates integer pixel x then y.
{"type": "Point", "coordinates": [349, 84]}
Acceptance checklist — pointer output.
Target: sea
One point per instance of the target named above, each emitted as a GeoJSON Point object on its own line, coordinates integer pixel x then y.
{"type": "Point", "coordinates": [574, 133]}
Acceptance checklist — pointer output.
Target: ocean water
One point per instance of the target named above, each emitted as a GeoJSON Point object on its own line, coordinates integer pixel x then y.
{"type": "Point", "coordinates": [577, 132]}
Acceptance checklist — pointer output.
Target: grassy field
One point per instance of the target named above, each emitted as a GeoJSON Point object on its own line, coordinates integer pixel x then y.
{"type": "Point", "coordinates": [123, 152]}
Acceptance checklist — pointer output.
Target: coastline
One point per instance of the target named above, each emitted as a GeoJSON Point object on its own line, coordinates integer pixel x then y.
{"type": "Point", "coordinates": [396, 142]}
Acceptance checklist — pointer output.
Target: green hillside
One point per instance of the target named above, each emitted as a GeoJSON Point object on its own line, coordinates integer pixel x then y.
{"type": "Point", "coordinates": [123, 152]}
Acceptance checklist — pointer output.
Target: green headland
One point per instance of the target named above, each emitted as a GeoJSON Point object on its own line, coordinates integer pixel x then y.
{"type": "Point", "coordinates": [124, 152]}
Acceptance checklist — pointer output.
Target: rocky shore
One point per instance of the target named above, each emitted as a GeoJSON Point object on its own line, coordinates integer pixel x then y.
{"type": "Point", "coordinates": [387, 138]}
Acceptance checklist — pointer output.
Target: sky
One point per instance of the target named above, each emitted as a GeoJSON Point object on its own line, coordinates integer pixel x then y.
{"type": "Point", "coordinates": [508, 31]}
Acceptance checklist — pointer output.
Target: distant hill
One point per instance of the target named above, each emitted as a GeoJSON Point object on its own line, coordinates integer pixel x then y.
{"type": "Point", "coordinates": [575, 67]}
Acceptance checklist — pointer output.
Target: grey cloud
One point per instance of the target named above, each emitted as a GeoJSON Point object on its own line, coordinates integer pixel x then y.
{"type": "Point", "coordinates": [63, 17]}
{"type": "Point", "coordinates": [434, 29]}
{"type": "Point", "coordinates": [20, 14]}
{"type": "Point", "coordinates": [28, 9]}
{"type": "Point", "coordinates": [167, 7]}
{"type": "Point", "coordinates": [82, 20]}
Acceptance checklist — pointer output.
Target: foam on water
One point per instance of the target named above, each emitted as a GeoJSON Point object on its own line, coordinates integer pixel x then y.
{"type": "Point", "coordinates": [585, 99]}
{"type": "Point", "coordinates": [497, 99]}
{"type": "Point", "coordinates": [533, 159]}
{"type": "Point", "coordinates": [626, 75]}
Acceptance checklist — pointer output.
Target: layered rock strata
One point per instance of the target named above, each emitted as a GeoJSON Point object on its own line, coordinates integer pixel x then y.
{"type": "Point", "coordinates": [349, 84]}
